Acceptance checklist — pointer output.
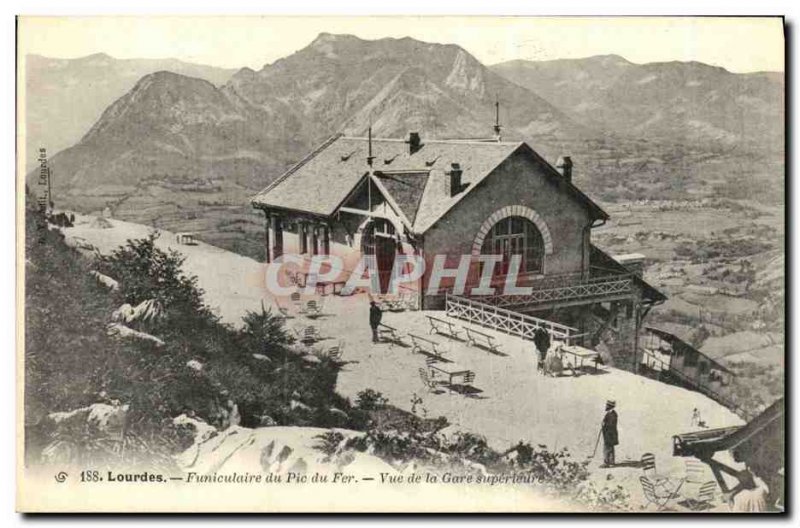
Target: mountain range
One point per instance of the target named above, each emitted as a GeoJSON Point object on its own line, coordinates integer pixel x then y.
{"type": "Point", "coordinates": [184, 132]}
{"type": "Point", "coordinates": [184, 146]}
{"type": "Point", "coordinates": [673, 101]}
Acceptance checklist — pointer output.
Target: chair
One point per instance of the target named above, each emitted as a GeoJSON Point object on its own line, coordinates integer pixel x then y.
{"type": "Point", "coordinates": [312, 309]}
{"type": "Point", "coordinates": [649, 469]}
{"type": "Point", "coordinates": [292, 276]}
{"type": "Point", "coordinates": [295, 298]}
{"type": "Point", "coordinates": [335, 352]}
{"type": "Point", "coordinates": [430, 383]}
{"type": "Point", "coordinates": [658, 494]}
{"type": "Point", "coordinates": [702, 500]}
{"type": "Point", "coordinates": [309, 335]}
{"type": "Point", "coordinates": [695, 472]}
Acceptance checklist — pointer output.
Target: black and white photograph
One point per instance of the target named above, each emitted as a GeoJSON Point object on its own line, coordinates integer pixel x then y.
{"type": "Point", "coordinates": [417, 264]}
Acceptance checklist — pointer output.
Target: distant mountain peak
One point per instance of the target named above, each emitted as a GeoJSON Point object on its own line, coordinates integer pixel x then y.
{"type": "Point", "coordinates": [96, 59]}
{"type": "Point", "coordinates": [169, 76]}
{"type": "Point", "coordinates": [164, 80]}
{"type": "Point", "coordinates": [325, 41]}
{"type": "Point", "coordinates": [99, 55]}
{"type": "Point", "coordinates": [611, 58]}
{"type": "Point", "coordinates": [333, 37]}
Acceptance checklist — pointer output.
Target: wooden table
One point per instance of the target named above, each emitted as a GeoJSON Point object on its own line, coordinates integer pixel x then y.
{"type": "Point", "coordinates": [451, 370]}
{"type": "Point", "coordinates": [580, 354]}
{"type": "Point", "coordinates": [321, 287]}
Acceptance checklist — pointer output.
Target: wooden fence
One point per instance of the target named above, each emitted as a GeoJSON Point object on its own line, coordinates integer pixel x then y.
{"type": "Point", "coordinates": [506, 321]}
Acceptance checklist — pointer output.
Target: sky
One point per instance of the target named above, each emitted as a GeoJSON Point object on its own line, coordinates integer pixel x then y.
{"type": "Point", "coordinates": [737, 44]}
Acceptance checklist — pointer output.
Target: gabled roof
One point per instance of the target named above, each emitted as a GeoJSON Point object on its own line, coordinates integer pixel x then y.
{"type": "Point", "coordinates": [322, 181]}
{"type": "Point", "coordinates": [406, 188]}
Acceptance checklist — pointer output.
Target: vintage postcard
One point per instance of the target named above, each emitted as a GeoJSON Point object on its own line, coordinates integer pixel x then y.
{"type": "Point", "coordinates": [401, 264]}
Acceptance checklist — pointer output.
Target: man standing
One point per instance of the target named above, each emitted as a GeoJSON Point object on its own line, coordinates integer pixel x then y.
{"type": "Point", "coordinates": [375, 315]}
{"type": "Point", "coordinates": [609, 430]}
{"type": "Point", "coordinates": [542, 341]}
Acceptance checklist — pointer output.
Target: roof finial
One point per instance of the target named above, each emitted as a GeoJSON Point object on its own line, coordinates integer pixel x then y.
{"type": "Point", "coordinates": [370, 157]}
{"type": "Point", "coordinates": [497, 126]}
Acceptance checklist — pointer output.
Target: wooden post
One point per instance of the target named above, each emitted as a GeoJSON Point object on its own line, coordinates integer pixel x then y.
{"type": "Point", "coordinates": [326, 240]}
{"type": "Point", "coordinates": [311, 239]}
{"type": "Point", "coordinates": [301, 237]}
{"type": "Point", "coordinates": [276, 237]}
{"type": "Point", "coordinates": [268, 237]}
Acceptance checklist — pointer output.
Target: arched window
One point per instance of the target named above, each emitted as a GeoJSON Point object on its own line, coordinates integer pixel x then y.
{"type": "Point", "coordinates": [515, 235]}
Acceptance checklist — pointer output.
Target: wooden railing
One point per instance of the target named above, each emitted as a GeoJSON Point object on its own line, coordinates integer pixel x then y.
{"type": "Point", "coordinates": [550, 290]}
{"type": "Point", "coordinates": [506, 321]}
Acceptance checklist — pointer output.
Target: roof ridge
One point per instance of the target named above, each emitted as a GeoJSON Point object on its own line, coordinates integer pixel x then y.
{"type": "Point", "coordinates": [302, 162]}
{"type": "Point", "coordinates": [452, 141]}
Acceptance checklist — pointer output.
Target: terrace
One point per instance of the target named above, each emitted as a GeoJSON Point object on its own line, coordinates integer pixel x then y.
{"type": "Point", "coordinates": [606, 281]}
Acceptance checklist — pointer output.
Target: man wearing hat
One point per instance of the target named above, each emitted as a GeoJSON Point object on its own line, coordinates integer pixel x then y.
{"type": "Point", "coordinates": [609, 430]}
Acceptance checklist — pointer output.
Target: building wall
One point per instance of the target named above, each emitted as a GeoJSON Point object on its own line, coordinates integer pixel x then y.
{"type": "Point", "coordinates": [519, 180]}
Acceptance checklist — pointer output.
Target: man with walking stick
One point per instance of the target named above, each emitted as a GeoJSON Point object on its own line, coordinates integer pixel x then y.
{"type": "Point", "coordinates": [609, 432]}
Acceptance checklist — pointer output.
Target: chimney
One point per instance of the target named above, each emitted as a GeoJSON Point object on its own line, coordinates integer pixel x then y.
{"type": "Point", "coordinates": [370, 157]}
{"type": "Point", "coordinates": [564, 166]}
{"type": "Point", "coordinates": [497, 126]}
{"type": "Point", "coordinates": [414, 142]}
{"type": "Point", "coordinates": [452, 183]}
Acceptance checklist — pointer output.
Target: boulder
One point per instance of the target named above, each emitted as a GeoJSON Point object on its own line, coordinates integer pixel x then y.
{"type": "Point", "coordinates": [267, 421]}
{"type": "Point", "coordinates": [144, 312]}
{"type": "Point", "coordinates": [294, 405]}
{"type": "Point", "coordinates": [103, 417]}
{"type": "Point", "coordinates": [105, 280]}
{"type": "Point", "coordinates": [70, 428]}
{"type": "Point", "coordinates": [194, 365]}
{"type": "Point", "coordinates": [121, 331]}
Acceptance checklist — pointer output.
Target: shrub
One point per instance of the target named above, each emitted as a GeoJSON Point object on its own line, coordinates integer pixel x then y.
{"type": "Point", "coordinates": [146, 272]}
{"type": "Point", "coordinates": [329, 442]}
{"type": "Point", "coordinates": [555, 469]}
{"type": "Point", "coordinates": [606, 498]}
{"type": "Point", "coordinates": [265, 331]}
{"type": "Point", "coordinates": [370, 400]}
